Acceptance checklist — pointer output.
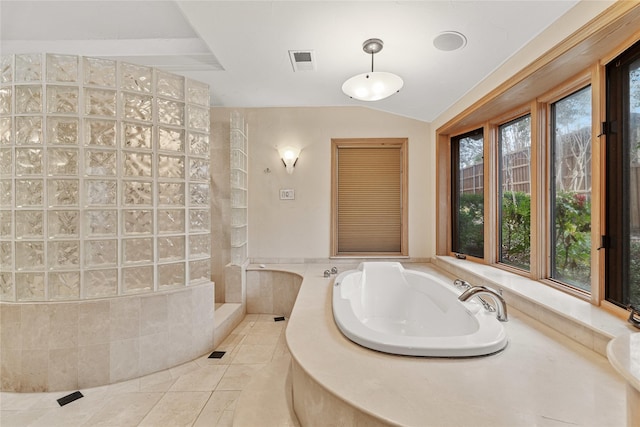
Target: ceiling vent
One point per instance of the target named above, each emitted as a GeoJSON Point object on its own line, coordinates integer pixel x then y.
{"type": "Point", "coordinates": [303, 60]}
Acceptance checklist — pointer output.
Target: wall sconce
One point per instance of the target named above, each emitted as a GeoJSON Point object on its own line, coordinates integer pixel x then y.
{"type": "Point", "coordinates": [289, 156]}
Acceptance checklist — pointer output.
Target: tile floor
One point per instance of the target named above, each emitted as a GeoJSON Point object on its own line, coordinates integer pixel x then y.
{"type": "Point", "coordinates": [202, 392]}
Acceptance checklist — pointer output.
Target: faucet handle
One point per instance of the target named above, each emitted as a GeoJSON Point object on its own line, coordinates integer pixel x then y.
{"type": "Point", "coordinates": [461, 284]}
{"type": "Point", "coordinates": [334, 270]}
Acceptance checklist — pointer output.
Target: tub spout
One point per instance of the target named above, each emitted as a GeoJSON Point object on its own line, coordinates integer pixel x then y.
{"type": "Point", "coordinates": [501, 305]}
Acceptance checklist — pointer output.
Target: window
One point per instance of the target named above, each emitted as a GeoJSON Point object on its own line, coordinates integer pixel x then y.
{"type": "Point", "coordinates": [369, 194]}
{"type": "Point", "coordinates": [468, 194]}
{"type": "Point", "coordinates": [622, 265]}
{"type": "Point", "coordinates": [514, 144]}
{"type": "Point", "coordinates": [571, 189]}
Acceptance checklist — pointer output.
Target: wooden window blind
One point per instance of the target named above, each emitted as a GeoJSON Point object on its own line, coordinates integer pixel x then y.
{"type": "Point", "coordinates": [369, 197]}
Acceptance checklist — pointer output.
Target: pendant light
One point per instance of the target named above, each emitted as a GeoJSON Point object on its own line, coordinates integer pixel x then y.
{"type": "Point", "coordinates": [375, 85]}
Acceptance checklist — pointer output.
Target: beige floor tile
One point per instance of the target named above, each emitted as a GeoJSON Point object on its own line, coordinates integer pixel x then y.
{"type": "Point", "coordinates": [219, 402]}
{"type": "Point", "coordinates": [183, 369]}
{"type": "Point", "coordinates": [238, 376]}
{"type": "Point", "coordinates": [226, 420]}
{"type": "Point", "coordinates": [253, 353]}
{"type": "Point", "coordinates": [205, 378]}
{"type": "Point", "coordinates": [15, 418]}
{"type": "Point", "coordinates": [123, 410]}
{"type": "Point", "coordinates": [160, 381]}
{"type": "Point", "coordinates": [176, 409]}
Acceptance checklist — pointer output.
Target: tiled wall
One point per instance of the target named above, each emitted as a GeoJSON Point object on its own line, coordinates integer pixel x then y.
{"type": "Point", "coordinates": [53, 346]}
{"type": "Point", "coordinates": [272, 292]}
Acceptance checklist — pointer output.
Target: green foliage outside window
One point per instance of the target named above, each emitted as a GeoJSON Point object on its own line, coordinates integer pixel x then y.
{"type": "Point", "coordinates": [471, 224]}
{"type": "Point", "coordinates": [516, 229]}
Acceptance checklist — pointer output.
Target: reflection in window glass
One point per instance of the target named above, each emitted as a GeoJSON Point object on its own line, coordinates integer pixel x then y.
{"type": "Point", "coordinates": [571, 190]}
{"type": "Point", "coordinates": [468, 188]}
{"type": "Point", "coordinates": [634, 183]}
{"type": "Point", "coordinates": [515, 192]}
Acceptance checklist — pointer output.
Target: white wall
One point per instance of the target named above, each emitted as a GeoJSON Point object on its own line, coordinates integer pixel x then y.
{"type": "Point", "coordinates": [300, 229]}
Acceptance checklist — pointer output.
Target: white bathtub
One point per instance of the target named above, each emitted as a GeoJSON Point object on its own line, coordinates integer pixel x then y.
{"type": "Point", "coordinates": [384, 307]}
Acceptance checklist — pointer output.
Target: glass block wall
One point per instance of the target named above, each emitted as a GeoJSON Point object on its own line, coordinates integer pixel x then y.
{"type": "Point", "coordinates": [104, 179]}
{"type": "Point", "coordinates": [239, 188]}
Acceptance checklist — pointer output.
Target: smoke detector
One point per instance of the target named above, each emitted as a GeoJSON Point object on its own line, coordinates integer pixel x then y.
{"type": "Point", "coordinates": [303, 60]}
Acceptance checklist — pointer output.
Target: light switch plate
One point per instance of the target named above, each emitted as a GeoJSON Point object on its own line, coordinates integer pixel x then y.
{"type": "Point", "coordinates": [287, 194]}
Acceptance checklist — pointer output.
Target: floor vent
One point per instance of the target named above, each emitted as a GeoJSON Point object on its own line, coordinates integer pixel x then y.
{"type": "Point", "coordinates": [303, 60]}
{"type": "Point", "coordinates": [69, 398]}
{"type": "Point", "coordinates": [216, 355]}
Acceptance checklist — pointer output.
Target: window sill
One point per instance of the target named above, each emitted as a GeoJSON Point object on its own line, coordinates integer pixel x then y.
{"type": "Point", "coordinates": [581, 321]}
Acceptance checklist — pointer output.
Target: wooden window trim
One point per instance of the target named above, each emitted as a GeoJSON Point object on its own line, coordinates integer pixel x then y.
{"type": "Point", "coordinates": [402, 143]}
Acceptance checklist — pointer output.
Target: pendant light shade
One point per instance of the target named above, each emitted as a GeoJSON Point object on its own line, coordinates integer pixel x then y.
{"type": "Point", "coordinates": [375, 85]}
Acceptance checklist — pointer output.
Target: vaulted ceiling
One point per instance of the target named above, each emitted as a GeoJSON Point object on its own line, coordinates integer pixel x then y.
{"type": "Point", "coordinates": [241, 48]}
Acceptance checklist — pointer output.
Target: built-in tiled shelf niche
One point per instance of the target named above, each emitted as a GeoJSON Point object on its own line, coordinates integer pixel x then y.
{"type": "Point", "coordinates": [239, 187]}
{"type": "Point", "coordinates": [104, 186]}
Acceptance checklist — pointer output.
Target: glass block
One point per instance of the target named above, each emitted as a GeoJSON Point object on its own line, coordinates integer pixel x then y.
{"type": "Point", "coordinates": [6, 219]}
{"type": "Point", "coordinates": [101, 223]}
{"type": "Point", "coordinates": [99, 72]}
{"type": "Point", "coordinates": [100, 102]}
{"type": "Point", "coordinates": [169, 85]}
{"type": "Point", "coordinates": [28, 130]}
{"type": "Point", "coordinates": [62, 130]}
{"type": "Point", "coordinates": [28, 67]}
{"type": "Point", "coordinates": [101, 253]}
{"type": "Point", "coordinates": [6, 193]}
{"type": "Point", "coordinates": [171, 248]}
{"type": "Point", "coordinates": [137, 107]}
{"type": "Point", "coordinates": [199, 245]}
{"type": "Point", "coordinates": [170, 221]}
{"type": "Point", "coordinates": [63, 224]}
{"type": "Point", "coordinates": [6, 131]}
{"type": "Point", "coordinates": [135, 78]}
{"type": "Point", "coordinates": [63, 254]}
{"type": "Point", "coordinates": [197, 93]}
{"type": "Point", "coordinates": [137, 250]}
{"type": "Point", "coordinates": [29, 225]}
{"type": "Point", "coordinates": [28, 99]}
{"type": "Point", "coordinates": [170, 139]}
{"type": "Point", "coordinates": [199, 270]}
{"type": "Point", "coordinates": [100, 193]}
{"type": "Point", "coordinates": [62, 99]}
{"type": "Point", "coordinates": [170, 112]}
{"type": "Point", "coordinates": [238, 217]}
{"type": "Point", "coordinates": [6, 100]}
{"type": "Point", "coordinates": [64, 192]}
{"type": "Point", "coordinates": [100, 132]}
{"type": "Point", "coordinates": [6, 256]}
{"type": "Point", "coordinates": [170, 166]}
{"type": "Point", "coordinates": [137, 279]}
{"type": "Point", "coordinates": [136, 164]}
{"type": "Point", "coordinates": [100, 162]}
{"type": "Point", "coordinates": [30, 286]}
{"type": "Point", "coordinates": [137, 193]}
{"type": "Point", "coordinates": [198, 144]}
{"type": "Point", "coordinates": [199, 194]}
{"type": "Point", "coordinates": [199, 170]}
{"type": "Point", "coordinates": [237, 121]}
{"type": "Point", "coordinates": [100, 283]}
{"type": "Point", "coordinates": [62, 68]}
{"type": "Point", "coordinates": [238, 179]}
{"type": "Point", "coordinates": [29, 161]}
{"type": "Point", "coordinates": [139, 221]}
{"type": "Point", "coordinates": [136, 136]}
{"type": "Point", "coordinates": [64, 286]}
{"type": "Point", "coordinates": [238, 198]}
{"type": "Point", "coordinates": [6, 161]}
{"type": "Point", "coordinates": [238, 236]}
{"type": "Point", "coordinates": [7, 290]}
{"type": "Point", "coordinates": [62, 161]}
{"type": "Point", "coordinates": [171, 275]}
{"type": "Point", "coordinates": [6, 68]}
{"type": "Point", "coordinates": [238, 160]}
{"type": "Point", "coordinates": [171, 193]}
{"type": "Point", "coordinates": [198, 118]}
{"type": "Point", "coordinates": [199, 220]}
{"type": "Point", "coordinates": [29, 255]}
{"type": "Point", "coordinates": [237, 141]}
{"type": "Point", "coordinates": [29, 192]}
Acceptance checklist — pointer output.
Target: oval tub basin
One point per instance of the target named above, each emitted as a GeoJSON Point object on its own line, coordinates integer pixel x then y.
{"type": "Point", "coordinates": [385, 307]}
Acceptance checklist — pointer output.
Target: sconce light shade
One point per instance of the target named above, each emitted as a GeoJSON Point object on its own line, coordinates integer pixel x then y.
{"type": "Point", "coordinates": [289, 156]}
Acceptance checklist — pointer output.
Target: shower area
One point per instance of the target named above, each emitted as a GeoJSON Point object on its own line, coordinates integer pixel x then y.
{"type": "Point", "coordinates": [105, 223]}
